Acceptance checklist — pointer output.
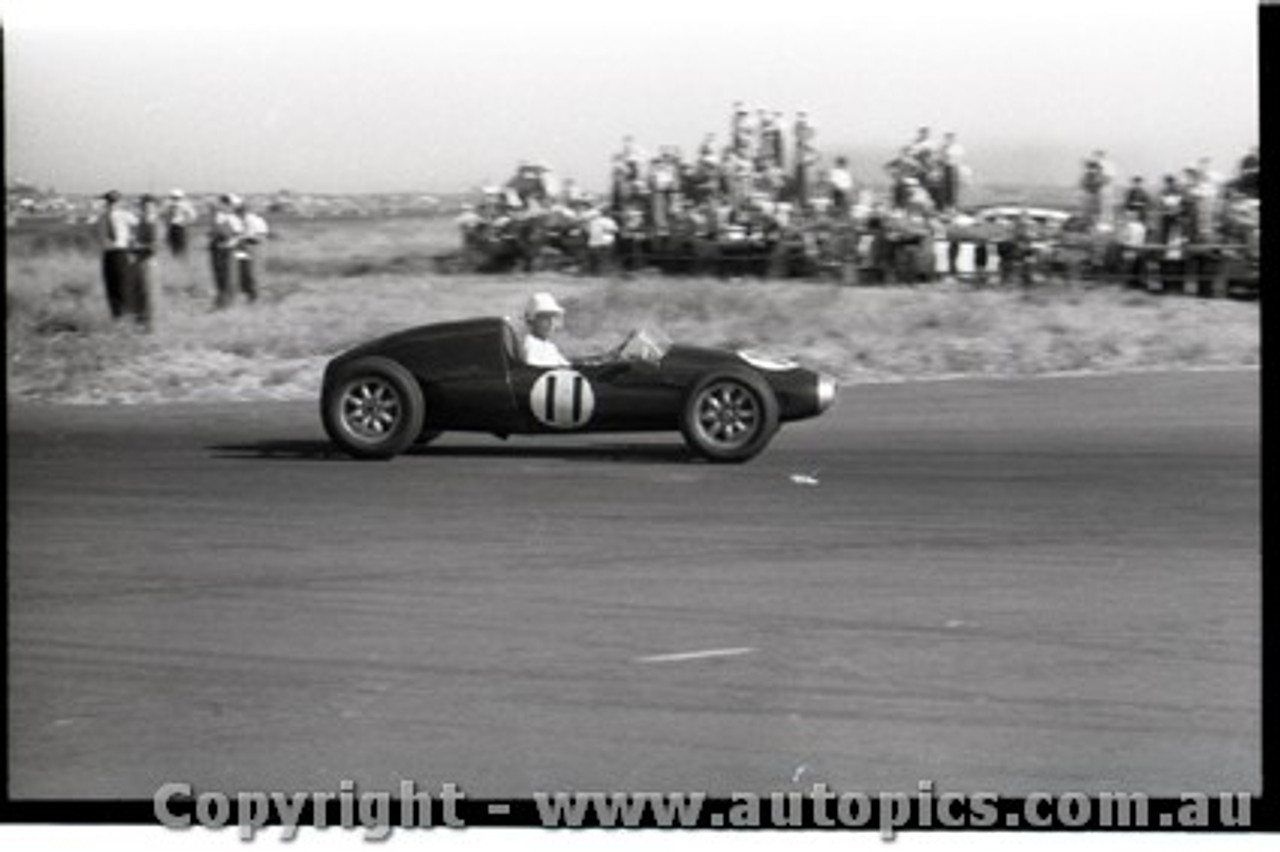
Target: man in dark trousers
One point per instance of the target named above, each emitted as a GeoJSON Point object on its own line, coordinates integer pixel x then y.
{"type": "Point", "coordinates": [1137, 200]}
{"type": "Point", "coordinates": [225, 229]}
{"type": "Point", "coordinates": [179, 215]}
{"type": "Point", "coordinates": [142, 274]}
{"type": "Point", "coordinates": [115, 228]}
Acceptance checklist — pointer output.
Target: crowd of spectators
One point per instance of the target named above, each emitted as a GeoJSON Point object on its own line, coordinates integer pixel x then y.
{"type": "Point", "coordinates": [764, 198]}
{"type": "Point", "coordinates": [1190, 223]}
{"type": "Point", "coordinates": [131, 239]}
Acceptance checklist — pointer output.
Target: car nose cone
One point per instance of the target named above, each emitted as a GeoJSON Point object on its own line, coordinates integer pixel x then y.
{"type": "Point", "coordinates": [826, 392]}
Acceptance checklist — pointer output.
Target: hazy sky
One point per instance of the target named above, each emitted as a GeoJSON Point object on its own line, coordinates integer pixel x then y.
{"type": "Point", "coordinates": [382, 96]}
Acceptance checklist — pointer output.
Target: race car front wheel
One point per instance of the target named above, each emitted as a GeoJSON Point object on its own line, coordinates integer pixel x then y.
{"type": "Point", "coordinates": [372, 408]}
{"type": "Point", "coordinates": [729, 416]}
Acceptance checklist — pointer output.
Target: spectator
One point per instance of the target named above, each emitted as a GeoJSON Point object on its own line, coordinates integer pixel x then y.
{"type": "Point", "coordinates": [1021, 252]}
{"type": "Point", "coordinates": [225, 229]}
{"type": "Point", "coordinates": [1171, 209]}
{"type": "Point", "coordinates": [602, 232]}
{"type": "Point", "coordinates": [772, 146]}
{"type": "Point", "coordinates": [923, 143]}
{"type": "Point", "coordinates": [841, 182]}
{"type": "Point", "coordinates": [1137, 200]}
{"type": "Point", "coordinates": [1096, 183]}
{"type": "Point", "coordinates": [919, 199]}
{"type": "Point", "coordinates": [806, 157]}
{"type": "Point", "coordinates": [249, 249]}
{"type": "Point", "coordinates": [740, 131]}
{"type": "Point", "coordinates": [115, 227]}
{"type": "Point", "coordinates": [1247, 176]}
{"type": "Point", "coordinates": [664, 183]}
{"type": "Point", "coordinates": [1133, 240]}
{"type": "Point", "coordinates": [141, 289]}
{"type": "Point", "coordinates": [629, 242]}
{"type": "Point", "coordinates": [930, 175]}
{"type": "Point", "coordinates": [1172, 228]}
{"type": "Point", "coordinates": [1194, 207]}
{"type": "Point", "coordinates": [626, 172]}
{"type": "Point", "coordinates": [179, 215]}
{"type": "Point", "coordinates": [1207, 189]}
{"type": "Point", "coordinates": [901, 168]}
{"type": "Point", "coordinates": [951, 157]}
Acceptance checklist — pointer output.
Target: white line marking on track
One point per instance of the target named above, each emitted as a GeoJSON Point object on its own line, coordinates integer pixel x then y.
{"type": "Point", "coordinates": [695, 655]}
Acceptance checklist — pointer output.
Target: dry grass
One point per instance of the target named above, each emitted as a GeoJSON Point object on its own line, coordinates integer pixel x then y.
{"type": "Point", "coordinates": [331, 285]}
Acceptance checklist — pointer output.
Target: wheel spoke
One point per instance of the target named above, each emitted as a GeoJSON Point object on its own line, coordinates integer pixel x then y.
{"type": "Point", "coordinates": [371, 408]}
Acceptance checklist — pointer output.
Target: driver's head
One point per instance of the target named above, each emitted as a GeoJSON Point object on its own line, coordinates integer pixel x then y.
{"type": "Point", "coordinates": [542, 313]}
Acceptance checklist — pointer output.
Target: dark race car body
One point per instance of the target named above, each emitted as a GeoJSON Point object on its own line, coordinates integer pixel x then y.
{"type": "Point", "coordinates": [381, 397]}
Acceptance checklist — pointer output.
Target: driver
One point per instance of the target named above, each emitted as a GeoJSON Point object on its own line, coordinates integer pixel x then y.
{"type": "Point", "coordinates": [542, 314]}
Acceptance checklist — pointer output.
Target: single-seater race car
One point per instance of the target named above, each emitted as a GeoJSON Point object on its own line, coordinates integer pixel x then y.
{"type": "Point", "coordinates": [382, 397]}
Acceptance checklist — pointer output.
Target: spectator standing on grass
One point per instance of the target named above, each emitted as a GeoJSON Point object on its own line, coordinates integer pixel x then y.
{"type": "Point", "coordinates": [1170, 207]}
{"type": "Point", "coordinates": [901, 169]}
{"type": "Point", "coordinates": [179, 215]}
{"type": "Point", "coordinates": [115, 227]}
{"type": "Point", "coordinates": [740, 130]}
{"type": "Point", "coordinates": [1098, 185]}
{"type": "Point", "coordinates": [1194, 207]}
{"type": "Point", "coordinates": [951, 157]}
{"type": "Point", "coordinates": [142, 278]}
{"type": "Point", "coordinates": [1207, 189]}
{"type": "Point", "coordinates": [225, 229]}
{"type": "Point", "coordinates": [806, 157]}
{"type": "Point", "coordinates": [602, 232]}
{"type": "Point", "coordinates": [840, 180]}
{"type": "Point", "coordinates": [1133, 239]}
{"type": "Point", "coordinates": [772, 145]}
{"type": "Point", "coordinates": [1137, 200]}
{"type": "Point", "coordinates": [249, 248]}
{"type": "Point", "coordinates": [1247, 174]}
{"type": "Point", "coordinates": [1022, 253]}
{"type": "Point", "coordinates": [664, 184]}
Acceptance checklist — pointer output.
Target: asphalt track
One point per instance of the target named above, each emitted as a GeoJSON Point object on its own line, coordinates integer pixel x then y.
{"type": "Point", "coordinates": [1025, 585]}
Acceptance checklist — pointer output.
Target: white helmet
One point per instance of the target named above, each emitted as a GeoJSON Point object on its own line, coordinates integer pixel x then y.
{"type": "Point", "coordinates": [541, 303]}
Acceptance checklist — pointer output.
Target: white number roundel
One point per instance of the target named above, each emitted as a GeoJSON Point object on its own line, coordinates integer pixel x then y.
{"type": "Point", "coordinates": [562, 399]}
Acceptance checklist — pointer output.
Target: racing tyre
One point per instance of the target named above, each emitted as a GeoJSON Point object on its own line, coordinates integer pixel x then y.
{"type": "Point", "coordinates": [729, 416]}
{"type": "Point", "coordinates": [372, 408]}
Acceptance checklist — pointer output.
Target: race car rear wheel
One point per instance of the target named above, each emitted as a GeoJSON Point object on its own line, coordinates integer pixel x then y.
{"type": "Point", "coordinates": [372, 408]}
{"type": "Point", "coordinates": [729, 416]}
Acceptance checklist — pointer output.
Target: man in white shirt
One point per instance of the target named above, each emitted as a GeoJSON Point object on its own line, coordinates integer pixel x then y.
{"type": "Point", "coordinates": [602, 232]}
{"type": "Point", "coordinates": [179, 215]}
{"type": "Point", "coordinates": [1133, 240]}
{"type": "Point", "coordinates": [840, 180]}
{"type": "Point", "coordinates": [249, 248]}
{"type": "Point", "coordinates": [225, 228]}
{"type": "Point", "coordinates": [115, 227]}
{"type": "Point", "coordinates": [542, 314]}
